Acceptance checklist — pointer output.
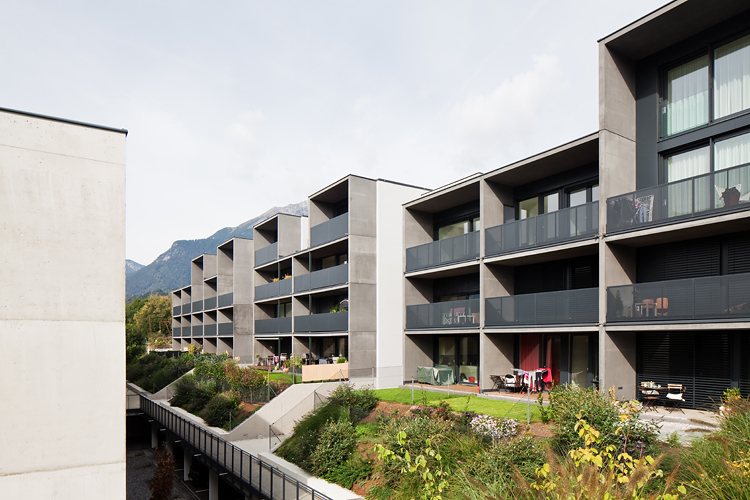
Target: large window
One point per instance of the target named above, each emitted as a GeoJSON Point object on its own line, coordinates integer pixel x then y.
{"type": "Point", "coordinates": [686, 99]}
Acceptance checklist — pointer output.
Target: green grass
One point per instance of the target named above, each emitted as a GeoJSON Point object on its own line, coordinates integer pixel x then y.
{"type": "Point", "coordinates": [503, 409]}
{"type": "Point", "coordinates": [285, 377]}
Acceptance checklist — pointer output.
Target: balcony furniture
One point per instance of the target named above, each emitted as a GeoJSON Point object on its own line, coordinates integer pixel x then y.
{"type": "Point", "coordinates": [731, 196]}
{"type": "Point", "coordinates": [662, 306]}
{"type": "Point", "coordinates": [650, 395]}
{"type": "Point", "coordinates": [448, 318]}
{"type": "Point", "coordinates": [675, 396]}
{"type": "Point", "coordinates": [497, 382]}
{"type": "Point", "coordinates": [644, 208]}
{"type": "Point", "coordinates": [645, 308]}
{"type": "Point", "coordinates": [436, 375]}
{"type": "Point", "coordinates": [460, 315]}
{"type": "Point", "coordinates": [439, 315]}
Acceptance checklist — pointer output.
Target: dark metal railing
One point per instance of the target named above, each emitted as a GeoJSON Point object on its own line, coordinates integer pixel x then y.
{"type": "Point", "coordinates": [260, 477]}
{"type": "Point", "coordinates": [226, 300]}
{"type": "Point", "coordinates": [197, 330]}
{"type": "Point", "coordinates": [186, 308]}
{"type": "Point", "coordinates": [568, 224]}
{"type": "Point", "coordinates": [453, 314]}
{"type": "Point", "coordinates": [548, 308]}
{"type": "Point", "coordinates": [226, 329]}
{"type": "Point", "coordinates": [176, 331]}
{"type": "Point", "coordinates": [273, 325]}
{"type": "Point", "coordinates": [442, 252]}
{"type": "Point", "coordinates": [267, 254]}
{"type": "Point", "coordinates": [198, 306]}
{"type": "Point", "coordinates": [336, 275]}
{"type": "Point", "coordinates": [692, 198]}
{"type": "Point", "coordinates": [331, 230]}
{"type": "Point", "coordinates": [209, 303]}
{"type": "Point", "coordinates": [176, 311]}
{"type": "Point", "coordinates": [273, 289]}
{"type": "Point", "coordinates": [326, 322]}
{"type": "Point", "coordinates": [209, 330]}
{"type": "Point", "coordinates": [715, 297]}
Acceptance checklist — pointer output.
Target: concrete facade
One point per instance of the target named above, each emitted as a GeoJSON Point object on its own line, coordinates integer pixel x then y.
{"type": "Point", "coordinates": [62, 236]}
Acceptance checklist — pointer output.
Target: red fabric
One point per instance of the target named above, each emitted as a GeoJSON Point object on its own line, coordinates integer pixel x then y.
{"type": "Point", "coordinates": [547, 377]}
{"type": "Point", "coordinates": [529, 352]}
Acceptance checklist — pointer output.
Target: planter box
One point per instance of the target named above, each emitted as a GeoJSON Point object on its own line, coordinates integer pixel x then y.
{"type": "Point", "coordinates": [325, 372]}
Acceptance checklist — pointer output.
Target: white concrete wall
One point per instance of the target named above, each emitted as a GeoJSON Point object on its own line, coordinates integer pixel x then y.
{"type": "Point", "coordinates": [62, 300]}
{"type": "Point", "coordinates": [390, 276]}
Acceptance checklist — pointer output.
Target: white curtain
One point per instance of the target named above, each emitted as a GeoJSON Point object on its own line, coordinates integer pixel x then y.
{"type": "Point", "coordinates": [689, 164]}
{"type": "Point", "coordinates": [687, 96]}
{"type": "Point", "coordinates": [731, 153]}
{"type": "Point", "coordinates": [732, 77]}
{"type": "Point", "coordinates": [686, 197]}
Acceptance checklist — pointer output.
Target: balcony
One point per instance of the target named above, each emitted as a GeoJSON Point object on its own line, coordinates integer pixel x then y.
{"type": "Point", "coordinates": [443, 252]}
{"type": "Point", "coordinates": [209, 303]}
{"type": "Point", "coordinates": [186, 308]}
{"type": "Point", "coordinates": [336, 275]}
{"type": "Point", "coordinates": [459, 314]}
{"type": "Point", "coordinates": [267, 254]}
{"type": "Point", "coordinates": [197, 330]}
{"type": "Point", "coordinates": [226, 300]}
{"type": "Point", "coordinates": [197, 306]}
{"type": "Point", "coordinates": [712, 298]}
{"type": "Point", "coordinates": [226, 329]}
{"type": "Point", "coordinates": [549, 308]}
{"type": "Point", "coordinates": [273, 325]}
{"type": "Point", "coordinates": [327, 322]}
{"type": "Point", "coordinates": [273, 289]}
{"type": "Point", "coordinates": [209, 330]}
{"type": "Point", "coordinates": [176, 310]}
{"type": "Point", "coordinates": [562, 226]}
{"type": "Point", "coordinates": [693, 198]}
{"type": "Point", "coordinates": [176, 331]}
{"type": "Point", "coordinates": [331, 230]}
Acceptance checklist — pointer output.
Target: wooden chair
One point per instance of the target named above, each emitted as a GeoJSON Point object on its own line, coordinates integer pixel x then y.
{"type": "Point", "coordinates": [662, 306]}
{"type": "Point", "coordinates": [675, 397]}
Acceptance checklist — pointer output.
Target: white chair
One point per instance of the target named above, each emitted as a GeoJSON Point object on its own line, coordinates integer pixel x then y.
{"type": "Point", "coordinates": [675, 396]}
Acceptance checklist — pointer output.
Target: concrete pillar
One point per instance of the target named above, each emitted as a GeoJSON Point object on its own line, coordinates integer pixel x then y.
{"type": "Point", "coordinates": [187, 462]}
{"type": "Point", "coordinates": [154, 434]}
{"type": "Point", "coordinates": [213, 485]}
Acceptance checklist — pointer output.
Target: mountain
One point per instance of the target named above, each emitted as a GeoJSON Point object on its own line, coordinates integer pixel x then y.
{"type": "Point", "coordinates": [171, 270]}
{"type": "Point", "coordinates": [132, 266]}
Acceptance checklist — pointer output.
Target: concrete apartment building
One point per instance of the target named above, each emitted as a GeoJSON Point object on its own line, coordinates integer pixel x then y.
{"type": "Point", "coordinates": [214, 312]}
{"type": "Point", "coordinates": [62, 240]}
{"type": "Point", "coordinates": [323, 286]}
{"type": "Point", "coordinates": [525, 267]}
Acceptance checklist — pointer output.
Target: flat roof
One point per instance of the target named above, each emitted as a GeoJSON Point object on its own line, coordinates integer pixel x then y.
{"type": "Point", "coordinates": [671, 24]}
{"type": "Point", "coordinates": [64, 120]}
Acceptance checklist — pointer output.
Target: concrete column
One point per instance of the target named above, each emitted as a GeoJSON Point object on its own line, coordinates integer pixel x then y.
{"type": "Point", "coordinates": [213, 485]}
{"type": "Point", "coordinates": [187, 462]}
{"type": "Point", "coordinates": [154, 434]}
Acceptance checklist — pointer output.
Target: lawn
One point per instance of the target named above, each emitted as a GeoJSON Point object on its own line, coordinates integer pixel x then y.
{"type": "Point", "coordinates": [285, 377]}
{"type": "Point", "coordinates": [503, 409]}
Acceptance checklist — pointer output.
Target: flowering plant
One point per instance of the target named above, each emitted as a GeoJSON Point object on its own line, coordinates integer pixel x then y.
{"type": "Point", "coordinates": [496, 428]}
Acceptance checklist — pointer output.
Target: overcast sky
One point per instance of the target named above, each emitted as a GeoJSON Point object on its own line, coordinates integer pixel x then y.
{"type": "Point", "coordinates": [236, 107]}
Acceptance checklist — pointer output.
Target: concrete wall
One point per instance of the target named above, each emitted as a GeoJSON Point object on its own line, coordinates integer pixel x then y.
{"type": "Point", "coordinates": [289, 234]}
{"type": "Point", "coordinates": [390, 288]}
{"type": "Point", "coordinates": [495, 356]}
{"type": "Point", "coordinates": [62, 238]}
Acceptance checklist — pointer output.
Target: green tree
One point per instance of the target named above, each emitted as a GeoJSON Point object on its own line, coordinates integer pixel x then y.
{"type": "Point", "coordinates": [154, 319]}
{"type": "Point", "coordinates": [135, 339]}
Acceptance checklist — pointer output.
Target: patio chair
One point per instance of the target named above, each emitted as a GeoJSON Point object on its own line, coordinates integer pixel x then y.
{"type": "Point", "coordinates": [675, 397]}
{"type": "Point", "coordinates": [662, 306]}
{"type": "Point", "coordinates": [512, 383]}
{"type": "Point", "coordinates": [497, 382]}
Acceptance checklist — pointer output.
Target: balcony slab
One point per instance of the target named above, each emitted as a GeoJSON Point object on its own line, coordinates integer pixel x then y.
{"type": "Point", "coordinates": [547, 253]}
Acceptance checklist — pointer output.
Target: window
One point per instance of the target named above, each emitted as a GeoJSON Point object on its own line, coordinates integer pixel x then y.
{"type": "Point", "coordinates": [686, 97]}
{"type": "Point", "coordinates": [551, 202]}
{"type": "Point", "coordinates": [528, 208]}
{"type": "Point", "coordinates": [582, 194]}
{"type": "Point", "coordinates": [688, 164]}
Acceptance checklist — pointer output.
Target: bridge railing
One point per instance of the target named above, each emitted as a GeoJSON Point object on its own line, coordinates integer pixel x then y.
{"type": "Point", "coordinates": [270, 482]}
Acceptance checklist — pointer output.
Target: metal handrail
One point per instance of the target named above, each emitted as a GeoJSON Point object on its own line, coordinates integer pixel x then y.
{"type": "Point", "coordinates": [245, 467]}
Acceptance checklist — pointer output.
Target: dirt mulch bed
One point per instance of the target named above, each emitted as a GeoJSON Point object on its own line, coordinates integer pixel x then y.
{"type": "Point", "coordinates": [386, 408]}
{"type": "Point", "coordinates": [246, 409]}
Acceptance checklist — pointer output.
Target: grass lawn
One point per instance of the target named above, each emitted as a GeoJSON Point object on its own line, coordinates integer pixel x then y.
{"type": "Point", "coordinates": [503, 409]}
{"type": "Point", "coordinates": [284, 377]}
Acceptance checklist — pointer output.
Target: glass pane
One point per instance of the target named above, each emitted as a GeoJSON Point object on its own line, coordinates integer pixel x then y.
{"type": "Point", "coordinates": [732, 77]}
{"type": "Point", "coordinates": [689, 164]}
{"type": "Point", "coordinates": [475, 223]}
{"type": "Point", "coordinates": [447, 351]}
{"type": "Point", "coordinates": [528, 208]}
{"type": "Point", "coordinates": [579, 360]}
{"type": "Point", "coordinates": [595, 192]}
{"type": "Point", "coordinates": [732, 152]}
{"type": "Point", "coordinates": [452, 230]}
{"type": "Point", "coordinates": [687, 97]}
{"type": "Point", "coordinates": [551, 202]}
{"type": "Point", "coordinates": [468, 360]}
{"type": "Point", "coordinates": [577, 197]}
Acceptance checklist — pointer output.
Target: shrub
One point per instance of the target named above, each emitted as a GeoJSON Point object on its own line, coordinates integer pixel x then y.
{"type": "Point", "coordinates": [184, 390]}
{"type": "Point", "coordinates": [369, 429]}
{"type": "Point", "coordinates": [568, 404]}
{"type": "Point", "coordinates": [350, 472]}
{"type": "Point", "coordinates": [161, 484]}
{"type": "Point", "coordinates": [211, 366]}
{"type": "Point", "coordinates": [495, 465]}
{"type": "Point", "coordinates": [342, 359]}
{"type": "Point", "coordinates": [336, 441]}
{"type": "Point", "coordinates": [493, 427]}
{"type": "Point", "coordinates": [359, 401]}
{"type": "Point", "coordinates": [298, 448]}
{"type": "Point", "coordinates": [217, 410]}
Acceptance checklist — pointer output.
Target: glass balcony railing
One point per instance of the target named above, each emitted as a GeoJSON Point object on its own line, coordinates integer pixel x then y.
{"type": "Point", "coordinates": [197, 306]}
{"type": "Point", "coordinates": [715, 297]}
{"type": "Point", "coordinates": [266, 254]}
{"type": "Point", "coordinates": [176, 331]}
{"type": "Point", "coordinates": [331, 230]}
{"type": "Point", "coordinates": [226, 329]}
{"type": "Point", "coordinates": [453, 314]}
{"type": "Point", "coordinates": [226, 300]}
{"type": "Point", "coordinates": [209, 330]}
{"type": "Point", "coordinates": [442, 252]}
{"type": "Point", "coordinates": [197, 330]}
{"type": "Point", "coordinates": [273, 289]}
{"type": "Point", "coordinates": [327, 322]}
{"type": "Point", "coordinates": [186, 308]}
{"type": "Point", "coordinates": [548, 308]}
{"type": "Point", "coordinates": [176, 311]}
{"type": "Point", "coordinates": [692, 198]}
{"type": "Point", "coordinates": [568, 224]}
{"type": "Point", "coordinates": [209, 303]}
{"type": "Point", "coordinates": [337, 275]}
{"type": "Point", "coordinates": [273, 325]}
